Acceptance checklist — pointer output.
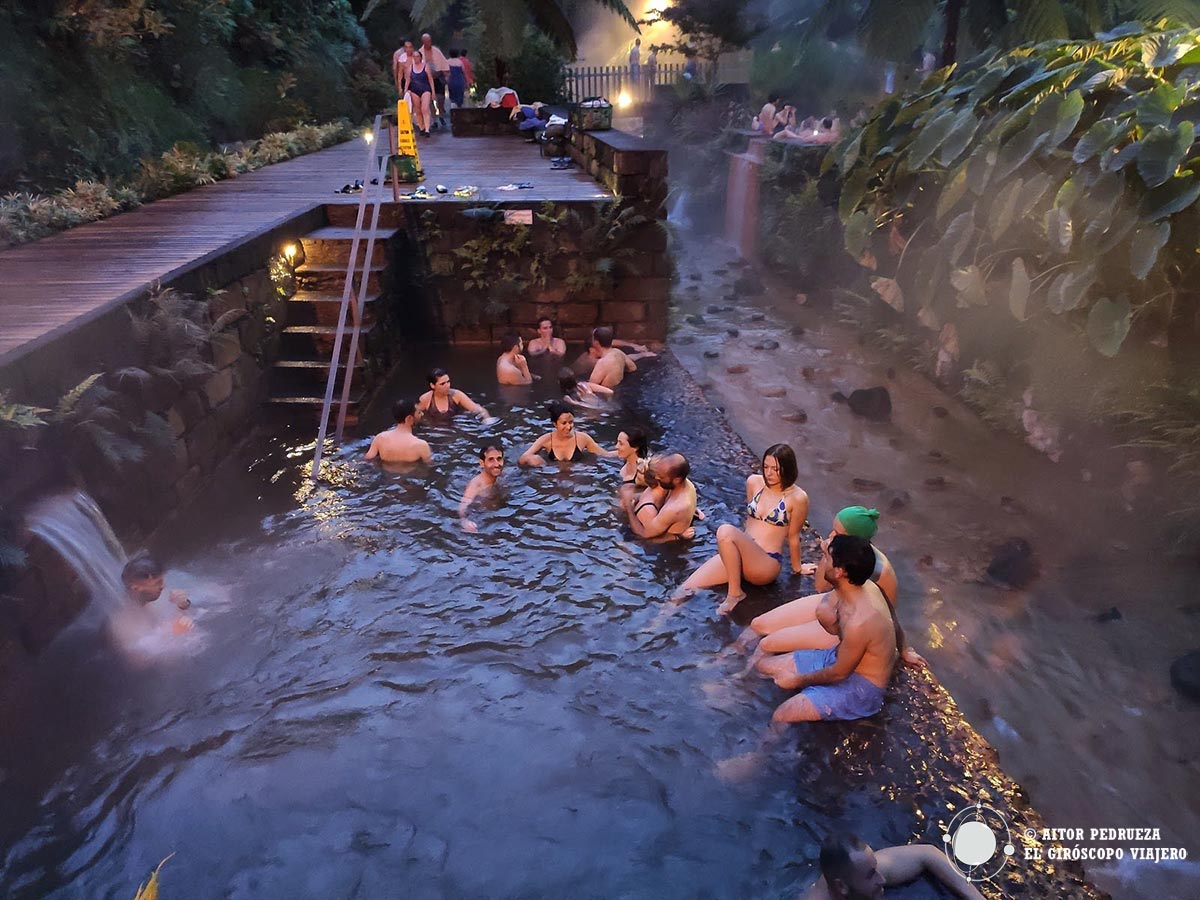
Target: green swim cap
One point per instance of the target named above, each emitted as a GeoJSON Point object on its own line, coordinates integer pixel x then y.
{"type": "Point", "coordinates": [859, 521]}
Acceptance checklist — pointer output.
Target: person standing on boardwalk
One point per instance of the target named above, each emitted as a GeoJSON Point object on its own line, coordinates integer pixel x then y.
{"type": "Point", "coordinates": [440, 67]}
{"type": "Point", "coordinates": [418, 90]}
{"type": "Point", "coordinates": [651, 71]}
{"type": "Point", "coordinates": [399, 63]}
{"type": "Point", "coordinates": [457, 82]}
{"type": "Point", "coordinates": [635, 66]}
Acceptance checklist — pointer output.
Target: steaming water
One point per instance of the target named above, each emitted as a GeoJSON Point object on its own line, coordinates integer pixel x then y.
{"type": "Point", "coordinates": [75, 528]}
{"type": "Point", "coordinates": [391, 708]}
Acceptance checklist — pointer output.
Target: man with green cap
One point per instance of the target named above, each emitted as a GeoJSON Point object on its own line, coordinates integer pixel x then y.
{"type": "Point", "coordinates": [794, 626]}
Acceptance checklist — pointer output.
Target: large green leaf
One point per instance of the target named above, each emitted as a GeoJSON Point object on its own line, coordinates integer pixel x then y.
{"type": "Point", "coordinates": [1174, 196]}
{"type": "Point", "coordinates": [1019, 149]}
{"type": "Point", "coordinates": [1145, 246]}
{"type": "Point", "coordinates": [1161, 50]}
{"type": "Point", "coordinates": [961, 232]}
{"type": "Point", "coordinates": [1115, 160]}
{"type": "Point", "coordinates": [1163, 149]}
{"type": "Point", "coordinates": [854, 189]}
{"type": "Point", "coordinates": [1097, 139]}
{"type": "Point", "coordinates": [986, 86]}
{"type": "Point", "coordinates": [1018, 289]}
{"type": "Point", "coordinates": [965, 126]}
{"type": "Point", "coordinates": [1069, 111]}
{"type": "Point", "coordinates": [850, 157]}
{"type": "Point", "coordinates": [1004, 207]}
{"type": "Point", "coordinates": [953, 192]}
{"type": "Point", "coordinates": [1156, 106]}
{"type": "Point", "coordinates": [929, 138]}
{"type": "Point", "coordinates": [1059, 229]}
{"type": "Point", "coordinates": [857, 233]}
{"type": "Point", "coordinates": [980, 166]}
{"type": "Point", "coordinates": [1108, 325]}
{"type": "Point", "coordinates": [1069, 289]}
{"type": "Point", "coordinates": [968, 283]}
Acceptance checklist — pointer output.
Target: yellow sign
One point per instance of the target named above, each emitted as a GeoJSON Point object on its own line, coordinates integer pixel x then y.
{"type": "Point", "coordinates": [406, 141]}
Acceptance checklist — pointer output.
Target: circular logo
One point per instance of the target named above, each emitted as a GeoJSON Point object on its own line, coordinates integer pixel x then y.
{"type": "Point", "coordinates": [973, 842]}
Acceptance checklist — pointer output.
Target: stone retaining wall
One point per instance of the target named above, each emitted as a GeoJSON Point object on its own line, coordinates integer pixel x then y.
{"type": "Point", "coordinates": [481, 121]}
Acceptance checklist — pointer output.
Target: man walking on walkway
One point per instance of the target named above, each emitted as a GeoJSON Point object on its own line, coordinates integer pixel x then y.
{"type": "Point", "coordinates": [440, 66]}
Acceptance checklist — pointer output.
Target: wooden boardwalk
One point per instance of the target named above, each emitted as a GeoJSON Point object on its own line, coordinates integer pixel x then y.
{"type": "Point", "coordinates": [48, 286]}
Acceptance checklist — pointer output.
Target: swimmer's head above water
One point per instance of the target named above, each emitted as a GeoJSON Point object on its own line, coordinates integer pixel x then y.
{"type": "Point", "coordinates": [143, 578]}
{"type": "Point", "coordinates": [561, 417]}
{"type": "Point", "coordinates": [509, 341]}
{"type": "Point", "coordinates": [439, 380]}
{"type": "Point", "coordinates": [671, 469]}
{"type": "Point", "coordinates": [857, 521]}
{"type": "Point", "coordinates": [404, 410]}
{"type": "Point", "coordinates": [849, 868]}
{"type": "Point", "coordinates": [602, 337]}
{"type": "Point", "coordinates": [632, 441]}
{"type": "Point", "coordinates": [491, 458]}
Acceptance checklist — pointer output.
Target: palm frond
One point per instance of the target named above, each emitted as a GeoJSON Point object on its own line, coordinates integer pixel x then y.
{"type": "Point", "coordinates": [552, 21]}
{"type": "Point", "coordinates": [71, 398]}
{"type": "Point", "coordinates": [426, 12]}
{"type": "Point", "coordinates": [1038, 20]}
{"type": "Point", "coordinates": [894, 30]}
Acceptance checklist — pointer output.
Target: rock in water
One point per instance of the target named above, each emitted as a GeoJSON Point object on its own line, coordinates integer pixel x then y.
{"type": "Point", "coordinates": [896, 499]}
{"type": "Point", "coordinates": [799, 416]}
{"type": "Point", "coordinates": [694, 320]}
{"type": "Point", "coordinates": [749, 284]}
{"type": "Point", "coordinates": [1185, 675]}
{"type": "Point", "coordinates": [873, 403]}
{"type": "Point", "coordinates": [1013, 564]}
{"type": "Point", "coordinates": [711, 354]}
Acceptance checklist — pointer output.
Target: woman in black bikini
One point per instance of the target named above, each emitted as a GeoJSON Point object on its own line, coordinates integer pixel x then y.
{"type": "Point", "coordinates": [441, 402]}
{"type": "Point", "coordinates": [564, 443]}
{"type": "Point", "coordinates": [775, 512]}
{"type": "Point", "coordinates": [419, 92]}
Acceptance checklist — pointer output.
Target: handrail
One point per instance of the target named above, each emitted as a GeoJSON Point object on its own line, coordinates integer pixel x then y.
{"type": "Point", "coordinates": [372, 190]}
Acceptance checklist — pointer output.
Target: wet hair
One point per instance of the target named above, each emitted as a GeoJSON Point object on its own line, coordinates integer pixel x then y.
{"type": "Point", "coordinates": [827, 123]}
{"type": "Point", "coordinates": [488, 446]}
{"type": "Point", "coordinates": [567, 382]}
{"type": "Point", "coordinates": [603, 336]}
{"type": "Point", "coordinates": [454, 54]}
{"type": "Point", "coordinates": [434, 375]}
{"type": "Point", "coordinates": [403, 408]}
{"type": "Point", "coordinates": [637, 440]}
{"type": "Point", "coordinates": [785, 456]}
{"type": "Point", "coordinates": [853, 554]}
{"type": "Point", "coordinates": [509, 341]}
{"type": "Point", "coordinates": [557, 408]}
{"type": "Point", "coordinates": [542, 319]}
{"type": "Point", "coordinates": [139, 568]}
{"type": "Point", "coordinates": [835, 856]}
{"type": "Point", "coordinates": [677, 465]}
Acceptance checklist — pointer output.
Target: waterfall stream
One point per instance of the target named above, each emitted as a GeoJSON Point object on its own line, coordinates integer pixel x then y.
{"type": "Point", "coordinates": [74, 527]}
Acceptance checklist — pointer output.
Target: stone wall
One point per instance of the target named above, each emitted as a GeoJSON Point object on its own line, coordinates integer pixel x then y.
{"type": "Point", "coordinates": [481, 121]}
{"type": "Point", "coordinates": [631, 167]}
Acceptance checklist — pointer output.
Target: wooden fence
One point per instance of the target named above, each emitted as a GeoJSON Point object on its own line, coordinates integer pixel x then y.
{"type": "Point", "coordinates": [609, 81]}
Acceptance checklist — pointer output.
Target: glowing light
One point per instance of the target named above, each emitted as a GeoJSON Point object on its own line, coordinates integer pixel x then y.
{"type": "Point", "coordinates": [816, 131]}
{"type": "Point", "coordinates": [624, 100]}
{"type": "Point", "coordinates": [289, 253]}
{"type": "Point", "coordinates": [368, 136]}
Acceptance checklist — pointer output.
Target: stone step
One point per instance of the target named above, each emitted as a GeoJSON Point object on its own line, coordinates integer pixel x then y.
{"type": "Point", "coordinates": [323, 308]}
{"type": "Point", "coordinates": [344, 215]}
{"type": "Point", "coordinates": [332, 245]}
{"type": "Point", "coordinates": [316, 341]}
{"type": "Point", "coordinates": [327, 278]}
{"type": "Point", "coordinates": [309, 407]}
{"type": "Point", "coordinates": [307, 377]}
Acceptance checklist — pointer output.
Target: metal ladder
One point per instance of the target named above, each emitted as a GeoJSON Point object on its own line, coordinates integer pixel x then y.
{"type": "Point", "coordinates": [372, 196]}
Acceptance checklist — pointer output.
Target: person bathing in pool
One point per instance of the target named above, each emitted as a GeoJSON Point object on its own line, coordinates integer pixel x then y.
{"type": "Point", "coordinates": [851, 870]}
{"type": "Point", "coordinates": [398, 444]}
{"type": "Point", "coordinates": [582, 393]}
{"type": "Point", "coordinates": [491, 462]}
{"type": "Point", "coordinates": [564, 443]}
{"type": "Point", "coordinates": [667, 508]}
{"type": "Point", "coordinates": [511, 365]}
{"type": "Point", "coordinates": [775, 513]}
{"type": "Point", "coordinates": [546, 342]}
{"type": "Point", "coordinates": [632, 448]}
{"type": "Point", "coordinates": [849, 680]}
{"type": "Point", "coordinates": [441, 402]}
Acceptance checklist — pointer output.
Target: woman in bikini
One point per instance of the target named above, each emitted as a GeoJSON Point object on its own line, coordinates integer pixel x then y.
{"type": "Point", "coordinates": [441, 402]}
{"type": "Point", "coordinates": [631, 450]}
{"type": "Point", "coordinates": [775, 513]}
{"type": "Point", "coordinates": [564, 443]}
{"type": "Point", "coordinates": [419, 92]}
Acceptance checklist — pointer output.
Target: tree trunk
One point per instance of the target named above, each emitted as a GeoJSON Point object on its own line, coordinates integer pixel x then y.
{"type": "Point", "coordinates": [950, 41]}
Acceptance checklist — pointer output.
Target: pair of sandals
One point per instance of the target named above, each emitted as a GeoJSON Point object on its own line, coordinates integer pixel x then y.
{"type": "Point", "coordinates": [561, 162]}
{"type": "Point", "coordinates": [355, 188]}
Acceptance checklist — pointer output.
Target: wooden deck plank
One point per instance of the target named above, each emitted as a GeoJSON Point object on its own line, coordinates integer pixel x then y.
{"type": "Point", "coordinates": [50, 284]}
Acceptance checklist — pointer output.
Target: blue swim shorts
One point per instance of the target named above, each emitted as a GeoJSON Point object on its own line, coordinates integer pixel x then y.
{"type": "Point", "coordinates": [854, 698]}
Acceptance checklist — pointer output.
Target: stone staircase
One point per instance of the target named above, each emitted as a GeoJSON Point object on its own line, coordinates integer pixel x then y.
{"type": "Point", "coordinates": [298, 376]}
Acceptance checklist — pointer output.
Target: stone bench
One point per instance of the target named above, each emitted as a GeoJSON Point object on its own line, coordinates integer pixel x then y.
{"type": "Point", "coordinates": [481, 121]}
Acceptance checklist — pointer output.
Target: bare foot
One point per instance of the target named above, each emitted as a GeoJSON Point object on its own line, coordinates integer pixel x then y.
{"type": "Point", "coordinates": [730, 602]}
{"type": "Point", "coordinates": [682, 594]}
{"type": "Point", "coordinates": [739, 768]}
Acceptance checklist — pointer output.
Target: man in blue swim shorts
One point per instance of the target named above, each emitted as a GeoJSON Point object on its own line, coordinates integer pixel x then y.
{"type": "Point", "coordinates": [848, 681]}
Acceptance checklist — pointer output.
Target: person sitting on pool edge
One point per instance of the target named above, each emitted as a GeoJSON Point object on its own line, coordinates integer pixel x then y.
{"type": "Point", "coordinates": [564, 443]}
{"type": "Point", "coordinates": [848, 681]}
{"type": "Point", "coordinates": [441, 402]}
{"type": "Point", "coordinates": [851, 870]}
{"type": "Point", "coordinates": [144, 581]}
{"type": "Point", "coordinates": [398, 444]}
{"type": "Point", "coordinates": [491, 462]}
{"type": "Point", "coordinates": [672, 497]}
{"type": "Point", "coordinates": [611, 360]}
{"type": "Point", "coordinates": [511, 366]}
{"type": "Point", "coordinates": [546, 342]}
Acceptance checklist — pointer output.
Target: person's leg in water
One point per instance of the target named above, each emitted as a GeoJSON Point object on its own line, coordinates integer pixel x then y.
{"type": "Point", "coordinates": [743, 559]}
{"type": "Point", "coordinates": [795, 612]}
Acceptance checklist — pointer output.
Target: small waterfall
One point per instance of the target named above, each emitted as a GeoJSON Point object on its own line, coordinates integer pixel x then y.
{"type": "Point", "coordinates": [74, 527]}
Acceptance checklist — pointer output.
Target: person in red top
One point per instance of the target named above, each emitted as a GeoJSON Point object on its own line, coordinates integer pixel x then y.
{"type": "Point", "coordinates": [468, 72]}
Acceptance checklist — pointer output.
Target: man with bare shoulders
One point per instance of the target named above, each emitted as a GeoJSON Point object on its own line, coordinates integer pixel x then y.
{"type": "Point", "coordinates": [850, 870]}
{"type": "Point", "coordinates": [511, 365]}
{"type": "Point", "coordinates": [398, 444]}
{"type": "Point", "coordinates": [848, 681]}
{"type": "Point", "coordinates": [671, 517]}
{"type": "Point", "coordinates": [546, 342]}
{"type": "Point", "coordinates": [491, 462]}
{"type": "Point", "coordinates": [612, 362]}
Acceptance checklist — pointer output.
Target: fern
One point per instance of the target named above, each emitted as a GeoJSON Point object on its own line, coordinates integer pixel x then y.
{"type": "Point", "coordinates": [68, 402]}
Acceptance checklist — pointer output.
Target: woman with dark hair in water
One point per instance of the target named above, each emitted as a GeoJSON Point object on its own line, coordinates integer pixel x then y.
{"type": "Point", "coordinates": [441, 402]}
{"type": "Point", "coordinates": [632, 448]}
{"type": "Point", "coordinates": [775, 513]}
{"type": "Point", "coordinates": [582, 393]}
{"type": "Point", "coordinates": [564, 443]}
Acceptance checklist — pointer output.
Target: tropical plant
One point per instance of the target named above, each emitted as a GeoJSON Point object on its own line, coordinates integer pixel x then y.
{"type": "Point", "coordinates": [606, 243]}
{"type": "Point", "coordinates": [708, 28]}
{"type": "Point", "coordinates": [897, 28]}
{"type": "Point", "coordinates": [1052, 183]}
